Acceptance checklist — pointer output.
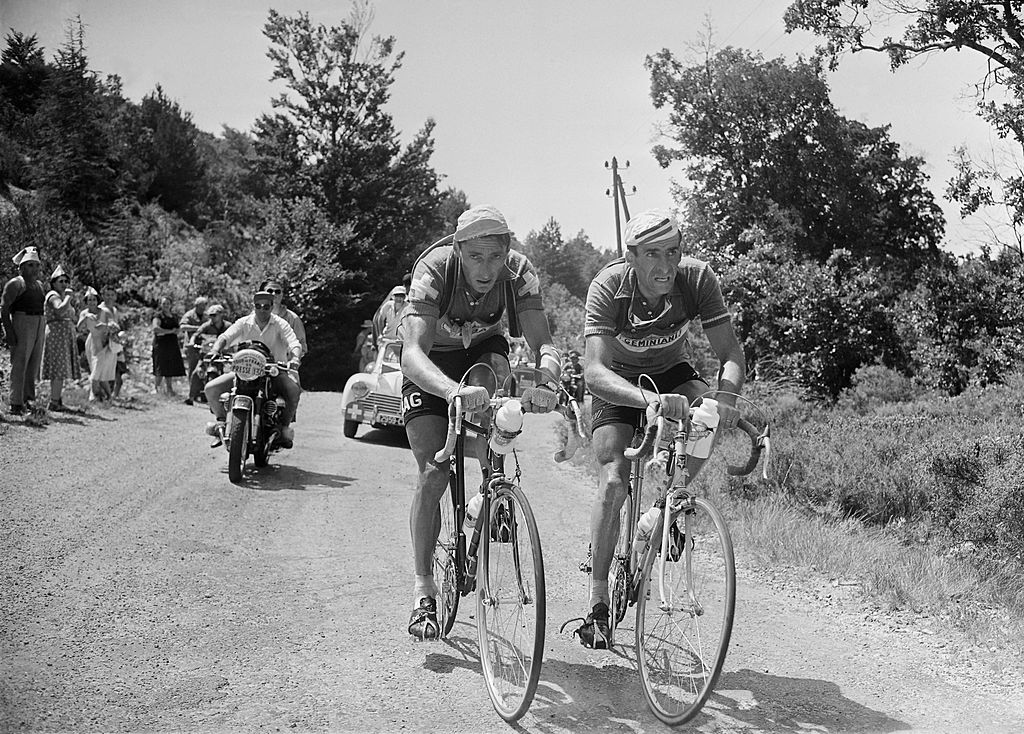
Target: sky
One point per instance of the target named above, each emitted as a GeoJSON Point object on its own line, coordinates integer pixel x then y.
{"type": "Point", "coordinates": [532, 98]}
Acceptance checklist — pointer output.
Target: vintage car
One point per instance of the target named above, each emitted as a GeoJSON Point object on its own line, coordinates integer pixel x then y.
{"type": "Point", "coordinates": [375, 396]}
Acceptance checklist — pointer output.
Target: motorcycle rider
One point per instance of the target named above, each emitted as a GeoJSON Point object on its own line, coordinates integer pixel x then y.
{"type": "Point", "coordinates": [276, 289]}
{"type": "Point", "coordinates": [214, 326]}
{"type": "Point", "coordinates": [264, 326]}
{"type": "Point", "coordinates": [572, 376]}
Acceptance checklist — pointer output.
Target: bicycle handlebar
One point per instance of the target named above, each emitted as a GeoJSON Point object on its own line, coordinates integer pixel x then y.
{"type": "Point", "coordinates": [759, 440]}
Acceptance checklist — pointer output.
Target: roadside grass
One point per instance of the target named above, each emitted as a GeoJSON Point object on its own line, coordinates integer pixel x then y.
{"type": "Point", "coordinates": [916, 499]}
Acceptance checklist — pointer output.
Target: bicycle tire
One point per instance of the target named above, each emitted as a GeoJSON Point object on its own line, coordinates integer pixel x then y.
{"type": "Point", "coordinates": [238, 444]}
{"type": "Point", "coordinates": [446, 567]}
{"type": "Point", "coordinates": [511, 604]}
{"type": "Point", "coordinates": [681, 652]}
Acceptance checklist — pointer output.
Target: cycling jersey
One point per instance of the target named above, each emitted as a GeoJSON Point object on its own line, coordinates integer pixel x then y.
{"type": "Point", "coordinates": [468, 320]}
{"type": "Point", "coordinates": [651, 338]}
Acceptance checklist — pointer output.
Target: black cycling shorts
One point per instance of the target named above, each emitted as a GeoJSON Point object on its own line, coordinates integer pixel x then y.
{"type": "Point", "coordinates": [603, 413]}
{"type": "Point", "coordinates": [454, 364]}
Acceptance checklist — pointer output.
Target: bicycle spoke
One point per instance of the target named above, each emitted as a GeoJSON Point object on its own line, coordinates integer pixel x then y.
{"type": "Point", "coordinates": [682, 638]}
{"type": "Point", "coordinates": [511, 604]}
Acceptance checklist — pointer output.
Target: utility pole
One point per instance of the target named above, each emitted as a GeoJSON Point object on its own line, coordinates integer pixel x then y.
{"type": "Point", "coordinates": [618, 194]}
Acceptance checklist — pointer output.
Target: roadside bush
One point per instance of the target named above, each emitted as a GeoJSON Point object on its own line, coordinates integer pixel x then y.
{"type": "Point", "coordinates": [979, 492]}
{"type": "Point", "coordinates": [875, 385]}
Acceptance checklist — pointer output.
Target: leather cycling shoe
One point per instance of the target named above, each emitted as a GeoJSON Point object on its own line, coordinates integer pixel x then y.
{"type": "Point", "coordinates": [423, 623]}
{"type": "Point", "coordinates": [594, 632]}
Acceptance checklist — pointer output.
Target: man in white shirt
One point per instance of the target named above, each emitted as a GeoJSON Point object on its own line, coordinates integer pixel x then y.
{"type": "Point", "coordinates": [264, 326]}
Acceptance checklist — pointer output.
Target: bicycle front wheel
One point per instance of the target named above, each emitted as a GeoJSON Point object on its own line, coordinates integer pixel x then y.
{"type": "Point", "coordinates": [511, 609]}
{"type": "Point", "coordinates": [446, 565]}
{"type": "Point", "coordinates": [684, 614]}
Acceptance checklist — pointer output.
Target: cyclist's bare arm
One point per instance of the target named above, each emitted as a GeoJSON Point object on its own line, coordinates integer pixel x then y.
{"type": "Point", "coordinates": [538, 333]}
{"type": "Point", "coordinates": [417, 366]}
{"type": "Point", "coordinates": [733, 368]}
{"type": "Point", "coordinates": [604, 382]}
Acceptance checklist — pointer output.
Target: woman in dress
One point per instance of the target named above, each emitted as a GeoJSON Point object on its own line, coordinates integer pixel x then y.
{"type": "Point", "coordinates": [167, 361]}
{"type": "Point", "coordinates": [60, 353]}
{"type": "Point", "coordinates": [91, 322]}
{"type": "Point", "coordinates": [111, 316]}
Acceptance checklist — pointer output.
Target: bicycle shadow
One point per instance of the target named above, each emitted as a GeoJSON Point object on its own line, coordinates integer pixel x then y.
{"type": "Point", "coordinates": [582, 697]}
{"type": "Point", "coordinates": [286, 477]}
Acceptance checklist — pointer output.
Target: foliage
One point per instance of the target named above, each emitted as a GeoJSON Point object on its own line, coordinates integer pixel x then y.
{"type": "Point", "coordinates": [565, 316]}
{"type": "Point", "coordinates": [818, 323]}
{"type": "Point", "coordinates": [162, 155]}
{"type": "Point", "coordinates": [572, 264]}
{"type": "Point", "coordinates": [766, 151]}
{"type": "Point", "coordinates": [991, 30]}
{"type": "Point", "coordinates": [332, 141]}
{"type": "Point", "coordinates": [962, 322]}
{"type": "Point", "coordinates": [73, 163]}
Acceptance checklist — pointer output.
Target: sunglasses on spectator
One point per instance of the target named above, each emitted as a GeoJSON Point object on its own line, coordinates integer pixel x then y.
{"type": "Point", "coordinates": [274, 290]}
{"type": "Point", "coordinates": [263, 306]}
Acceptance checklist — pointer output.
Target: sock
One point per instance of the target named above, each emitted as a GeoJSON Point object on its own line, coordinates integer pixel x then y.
{"type": "Point", "coordinates": [599, 592]}
{"type": "Point", "coordinates": [424, 586]}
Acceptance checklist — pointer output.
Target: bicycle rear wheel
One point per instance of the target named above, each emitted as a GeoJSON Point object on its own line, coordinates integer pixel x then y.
{"type": "Point", "coordinates": [681, 642]}
{"type": "Point", "coordinates": [446, 565]}
{"type": "Point", "coordinates": [511, 609]}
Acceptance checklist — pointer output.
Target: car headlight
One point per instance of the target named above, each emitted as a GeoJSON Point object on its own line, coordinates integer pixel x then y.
{"type": "Point", "coordinates": [360, 390]}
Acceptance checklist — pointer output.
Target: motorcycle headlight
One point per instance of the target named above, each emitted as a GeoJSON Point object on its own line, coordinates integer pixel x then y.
{"type": "Point", "coordinates": [360, 390]}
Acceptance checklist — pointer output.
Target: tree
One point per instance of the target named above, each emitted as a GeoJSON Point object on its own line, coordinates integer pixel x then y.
{"type": "Point", "coordinates": [766, 151]}
{"type": "Point", "coordinates": [331, 140]}
{"type": "Point", "coordinates": [74, 163]}
{"type": "Point", "coordinates": [572, 264]}
{"type": "Point", "coordinates": [993, 30]}
{"type": "Point", "coordinates": [23, 71]}
{"type": "Point", "coordinates": [161, 150]}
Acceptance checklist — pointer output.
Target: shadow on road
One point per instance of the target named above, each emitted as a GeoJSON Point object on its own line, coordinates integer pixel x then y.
{"type": "Point", "coordinates": [581, 696]}
{"type": "Point", "coordinates": [385, 437]}
{"type": "Point", "coordinates": [281, 477]}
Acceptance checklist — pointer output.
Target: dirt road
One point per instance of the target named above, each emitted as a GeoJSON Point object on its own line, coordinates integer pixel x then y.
{"type": "Point", "coordinates": [141, 591]}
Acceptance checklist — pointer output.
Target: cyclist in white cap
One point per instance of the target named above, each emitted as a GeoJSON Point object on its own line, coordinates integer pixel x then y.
{"type": "Point", "coordinates": [452, 320]}
{"type": "Point", "coordinates": [638, 313]}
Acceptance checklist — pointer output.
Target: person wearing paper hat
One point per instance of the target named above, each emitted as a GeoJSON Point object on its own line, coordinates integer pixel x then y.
{"type": "Point", "coordinates": [461, 288]}
{"type": "Point", "coordinates": [60, 351]}
{"type": "Point", "coordinates": [264, 326]}
{"type": "Point", "coordinates": [638, 312]}
{"type": "Point", "coordinates": [21, 314]}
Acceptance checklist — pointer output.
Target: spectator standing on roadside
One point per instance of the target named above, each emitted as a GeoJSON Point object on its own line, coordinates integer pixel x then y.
{"type": "Point", "coordinates": [388, 316]}
{"type": "Point", "coordinates": [112, 319]}
{"type": "Point", "coordinates": [60, 352]}
{"type": "Point", "coordinates": [190, 323]}
{"type": "Point", "coordinates": [95, 339]}
{"type": "Point", "coordinates": [21, 313]}
{"type": "Point", "coordinates": [364, 350]}
{"type": "Point", "coordinates": [214, 326]}
{"type": "Point", "coordinates": [167, 361]}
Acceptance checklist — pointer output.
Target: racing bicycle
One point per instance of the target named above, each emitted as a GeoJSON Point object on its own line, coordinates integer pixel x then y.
{"type": "Point", "coordinates": [682, 578]}
{"type": "Point", "coordinates": [500, 559]}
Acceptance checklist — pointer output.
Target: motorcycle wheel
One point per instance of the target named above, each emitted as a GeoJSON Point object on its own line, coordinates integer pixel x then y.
{"type": "Point", "coordinates": [261, 456]}
{"type": "Point", "coordinates": [238, 434]}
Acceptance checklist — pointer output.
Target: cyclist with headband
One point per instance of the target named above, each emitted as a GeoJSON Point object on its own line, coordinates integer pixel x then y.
{"type": "Point", "coordinates": [452, 321]}
{"type": "Point", "coordinates": [638, 313]}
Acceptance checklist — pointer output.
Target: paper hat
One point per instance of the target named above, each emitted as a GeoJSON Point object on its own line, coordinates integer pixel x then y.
{"type": "Point", "coordinates": [27, 255]}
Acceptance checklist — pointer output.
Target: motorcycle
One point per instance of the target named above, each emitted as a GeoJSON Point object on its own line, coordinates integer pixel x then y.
{"type": "Point", "coordinates": [574, 387]}
{"type": "Point", "coordinates": [253, 408]}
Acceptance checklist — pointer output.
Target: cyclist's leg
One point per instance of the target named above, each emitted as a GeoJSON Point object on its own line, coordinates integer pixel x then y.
{"type": "Point", "coordinates": [609, 443]}
{"type": "Point", "coordinates": [426, 427]}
